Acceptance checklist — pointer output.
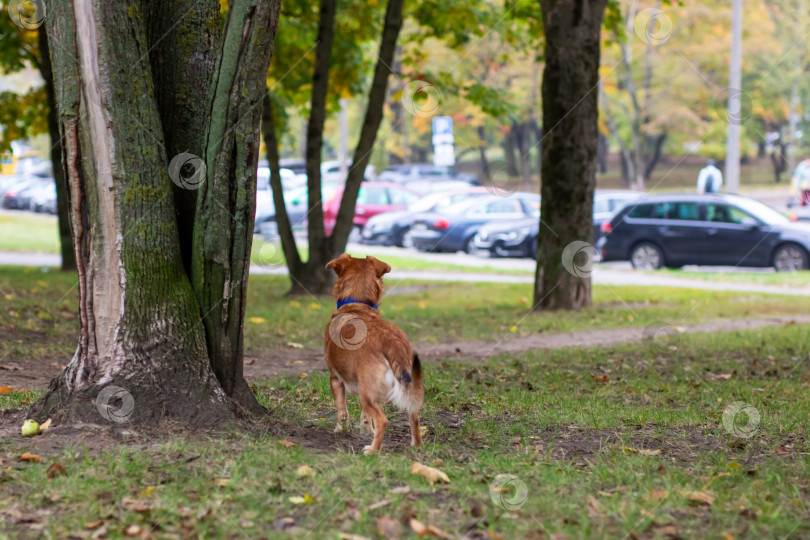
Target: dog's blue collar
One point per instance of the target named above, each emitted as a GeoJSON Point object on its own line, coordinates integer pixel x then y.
{"type": "Point", "coordinates": [342, 303]}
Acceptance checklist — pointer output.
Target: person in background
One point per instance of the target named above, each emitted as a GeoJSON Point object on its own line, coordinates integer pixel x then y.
{"type": "Point", "coordinates": [710, 179]}
{"type": "Point", "coordinates": [800, 183]}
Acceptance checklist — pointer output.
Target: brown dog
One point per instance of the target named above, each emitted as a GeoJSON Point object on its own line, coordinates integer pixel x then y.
{"type": "Point", "coordinates": [367, 355]}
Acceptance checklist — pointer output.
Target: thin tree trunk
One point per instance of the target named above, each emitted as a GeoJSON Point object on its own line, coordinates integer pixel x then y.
{"type": "Point", "coordinates": [371, 124]}
{"type": "Point", "coordinates": [658, 145]}
{"type": "Point", "coordinates": [509, 154]}
{"type": "Point", "coordinates": [570, 118]}
{"type": "Point", "coordinates": [482, 150]}
{"type": "Point", "coordinates": [140, 333]}
{"type": "Point", "coordinates": [313, 277]}
{"type": "Point", "coordinates": [285, 230]}
{"type": "Point", "coordinates": [65, 237]}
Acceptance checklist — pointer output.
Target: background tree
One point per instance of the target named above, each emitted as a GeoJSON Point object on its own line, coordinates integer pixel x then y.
{"type": "Point", "coordinates": [570, 118]}
{"type": "Point", "coordinates": [24, 116]}
{"type": "Point", "coordinates": [311, 276]}
{"type": "Point", "coordinates": [140, 309]}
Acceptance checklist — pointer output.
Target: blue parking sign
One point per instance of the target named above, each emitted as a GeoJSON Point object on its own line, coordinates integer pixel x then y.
{"type": "Point", "coordinates": [442, 125]}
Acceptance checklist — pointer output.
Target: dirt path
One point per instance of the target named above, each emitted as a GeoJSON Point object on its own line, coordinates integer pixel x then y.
{"type": "Point", "coordinates": [304, 361]}
{"type": "Point", "coordinates": [298, 361]}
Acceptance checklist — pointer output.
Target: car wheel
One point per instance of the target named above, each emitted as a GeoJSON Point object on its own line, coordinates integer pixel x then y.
{"type": "Point", "coordinates": [469, 246]}
{"type": "Point", "coordinates": [647, 256]}
{"type": "Point", "coordinates": [406, 239]}
{"type": "Point", "coordinates": [790, 258]}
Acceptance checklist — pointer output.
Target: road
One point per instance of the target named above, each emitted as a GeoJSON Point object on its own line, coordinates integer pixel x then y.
{"type": "Point", "coordinates": [615, 274]}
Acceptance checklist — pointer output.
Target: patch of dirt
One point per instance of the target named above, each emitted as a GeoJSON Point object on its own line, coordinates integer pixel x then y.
{"type": "Point", "coordinates": [290, 361]}
{"type": "Point", "coordinates": [609, 337]}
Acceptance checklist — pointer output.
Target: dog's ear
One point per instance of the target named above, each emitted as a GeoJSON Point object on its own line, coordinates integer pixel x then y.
{"type": "Point", "coordinates": [380, 267]}
{"type": "Point", "coordinates": [339, 264]}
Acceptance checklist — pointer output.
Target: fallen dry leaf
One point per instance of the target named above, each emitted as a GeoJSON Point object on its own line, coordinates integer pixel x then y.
{"type": "Point", "coordinates": [658, 494]}
{"type": "Point", "coordinates": [46, 425]}
{"type": "Point", "coordinates": [350, 536]}
{"type": "Point", "coordinates": [5, 389]}
{"type": "Point", "coordinates": [55, 469]}
{"type": "Point", "coordinates": [699, 497]}
{"type": "Point", "coordinates": [27, 456]}
{"type": "Point", "coordinates": [389, 528]}
{"type": "Point", "coordinates": [305, 470]}
{"type": "Point", "coordinates": [306, 499]}
{"type": "Point", "coordinates": [222, 482]}
{"type": "Point", "coordinates": [642, 451]}
{"type": "Point", "coordinates": [398, 489]}
{"type": "Point", "coordinates": [94, 524]}
{"type": "Point", "coordinates": [380, 504]}
{"type": "Point", "coordinates": [133, 530]}
{"type": "Point", "coordinates": [423, 530]}
{"type": "Point", "coordinates": [288, 444]}
{"type": "Point", "coordinates": [432, 475]}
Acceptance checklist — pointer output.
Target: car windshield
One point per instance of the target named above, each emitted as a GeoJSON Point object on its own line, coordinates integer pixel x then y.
{"type": "Point", "coordinates": [425, 204]}
{"type": "Point", "coordinates": [761, 211]}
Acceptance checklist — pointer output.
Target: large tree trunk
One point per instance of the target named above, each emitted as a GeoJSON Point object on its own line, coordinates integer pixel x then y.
{"type": "Point", "coordinates": [312, 277]}
{"type": "Point", "coordinates": [570, 115]}
{"type": "Point", "coordinates": [65, 237]}
{"type": "Point", "coordinates": [140, 339]}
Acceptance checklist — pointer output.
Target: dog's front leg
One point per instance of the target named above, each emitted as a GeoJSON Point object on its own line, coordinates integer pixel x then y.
{"type": "Point", "coordinates": [339, 393]}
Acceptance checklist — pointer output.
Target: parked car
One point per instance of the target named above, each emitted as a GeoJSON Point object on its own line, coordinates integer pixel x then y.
{"type": "Point", "coordinates": [373, 199]}
{"type": "Point", "coordinates": [723, 230]}
{"type": "Point", "coordinates": [295, 201]}
{"type": "Point", "coordinates": [16, 196]}
{"type": "Point", "coordinates": [42, 198]}
{"type": "Point", "coordinates": [330, 171]}
{"type": "Point", "coordinates": [393, 228]}
{"type": "Point", "coordinates": [424, 173]}
{"type": "Point", "coordinates": [519, 238]}
{"type": "Point", "coordinates": [454, 228]}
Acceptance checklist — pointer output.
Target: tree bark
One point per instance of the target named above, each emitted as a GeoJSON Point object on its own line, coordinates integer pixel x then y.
{"type": "Point", "coordinates": [570, 116]}
{"type": "Point", "coordinates": [509, 154]}
{"type": "Point", "coordinates": [140, 332]}
{"type": "Point", "coordinates": [652, 161]}
{"type": "Point", "coordinates": [182, 40]}
{"type": "Point", "coordinates": [65, 237]}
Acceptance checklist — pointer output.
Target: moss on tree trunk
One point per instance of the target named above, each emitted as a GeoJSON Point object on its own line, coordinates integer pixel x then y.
{"type": "Point", "coordinates": [146, 326]}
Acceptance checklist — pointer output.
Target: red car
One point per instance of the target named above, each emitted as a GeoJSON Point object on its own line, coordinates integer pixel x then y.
{"type": "Point", "coordinates": [374, 198]}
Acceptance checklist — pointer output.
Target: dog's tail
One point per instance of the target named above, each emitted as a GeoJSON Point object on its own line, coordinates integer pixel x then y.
{"type": "Point", "coordinates": [406, 389]}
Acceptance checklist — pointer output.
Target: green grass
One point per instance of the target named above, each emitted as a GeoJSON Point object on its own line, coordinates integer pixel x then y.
{"type": "Point", "coordinates": [28, 233]}
{"type": "Point", "coordinates": [568, 424]}
{"type": "Point", "coordinates": [270, 255]}
{"type": "Point", "coordinates": [781, 279]}
{"type": "Point", "coordinates": [39, 319]}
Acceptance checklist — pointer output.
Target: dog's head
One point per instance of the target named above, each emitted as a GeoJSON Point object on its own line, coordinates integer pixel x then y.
{"type": "Point", "coordinates": [360, 279]}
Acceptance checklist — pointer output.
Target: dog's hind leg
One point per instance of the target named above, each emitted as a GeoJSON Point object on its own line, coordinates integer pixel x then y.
{"type": "Point", "coordinates": [339, 393]}
{"type": "Point", "coordinates": [416, 435]}
{"type": "Point", "coordinates": [375, 412]}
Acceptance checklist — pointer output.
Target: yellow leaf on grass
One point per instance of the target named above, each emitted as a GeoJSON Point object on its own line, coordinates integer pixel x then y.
{"type": "Point", "coordinates": [432, 475]}
{"type": "Point", "coordinates": [734, 465]}
{"type": "Point", "coordinates": [423, 530]}
{"type": "Point", "coordinates": [305, 470]}
{"type": "Point", "coordinates": [6, 389]}
{"type": "Point", "coordinates": [422, 304]}
{"type": "Point", "coordinates": [306, 499]}
{"type": "Point", "coordinates": [699, 497]}
{"type": "Point", "coordinates": [288, 444]}
{"type": "Point", "coordinates": [642, 451]}
{"type": "Point", "coordinates": [222, 482]}
{"type": "Point", "coordinates": [258, 320]}
{"type": "Point", "coordinates": [314, 305]}
{"type": "Point", "coordinates": [295, 303]}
